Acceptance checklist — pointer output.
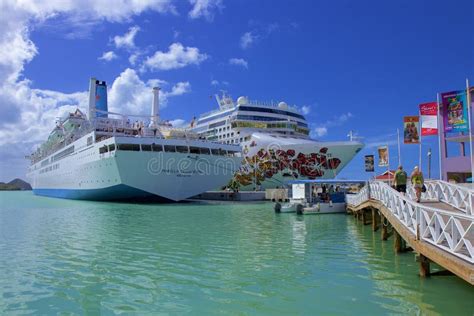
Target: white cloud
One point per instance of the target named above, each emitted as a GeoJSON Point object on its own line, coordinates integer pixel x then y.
{"type": "Point", "coordinates": [239, 62]}
{"type": "Point", "coordinates": [381, 143]}
{"type": "Point", "coordinates": [259, 32]}
{"type": "Point", "coordinates": [247, 39]}
{"type": "Point", "coordinates": [176, 57]}
{"type": "Point", "coordinates": [176, 34]}
{"type": "Point", "coordinates": [214, 83]}
{"type": "Point", "coordinates": [205, 9]}
{"type": "Point", "coordinates": [179, 123]}
{"type": "Point", "coordinates": [27, 114]}
{"type": "Point", "coordinates": [128, 39]}
{"type": "Point", "coordinates": [305, 109]}
{"type": "Point", "coordinates": [179, 89]}
{"type": "Point", "coordinates": [319, 132]}
{"type": "Point", "coordinates": [108, 56]}
{"type": "Point", "coordinates": [129, 94]}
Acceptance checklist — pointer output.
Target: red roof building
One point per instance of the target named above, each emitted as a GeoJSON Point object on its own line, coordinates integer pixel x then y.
{"type": "Point", "coordinates": [387, 176]}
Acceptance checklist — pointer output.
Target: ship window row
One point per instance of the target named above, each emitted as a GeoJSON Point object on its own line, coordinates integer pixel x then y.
{"type": "Point", "coordinates": [290, 125]}
{"type": "Point", "coordinates": [265, 118]}
{"type": "Point", "coordinates": [62, 154]}
{"type": "Point", "coordinates": [224, 129]}
{"type": "Point", "coordinates": [50, 168]}
{"type": "Point", "coordinates": [170, 148]}
{"type": "Point", "coordinates": [204, 120]}
{"type": "Point", "coordinates": [217, 124]}
{"type": "Point", "coordinates": [267, 110]}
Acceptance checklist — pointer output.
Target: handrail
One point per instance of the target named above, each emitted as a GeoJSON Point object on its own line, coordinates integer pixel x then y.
{"type": "Point", "coordinates": [457, 196]}
{"type": "Point", "coordinates": [446, 230]}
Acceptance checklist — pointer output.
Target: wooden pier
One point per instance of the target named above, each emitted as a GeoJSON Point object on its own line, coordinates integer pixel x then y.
{"type": "Point", "coordinates": [437, 231]}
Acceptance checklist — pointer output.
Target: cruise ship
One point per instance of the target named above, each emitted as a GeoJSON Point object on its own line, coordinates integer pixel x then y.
{"type": "Point", "coordinates": [275, 143]}
{"type": "Point", "coordinates": [110, 156]}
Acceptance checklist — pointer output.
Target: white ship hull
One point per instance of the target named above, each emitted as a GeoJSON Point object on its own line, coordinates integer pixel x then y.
{"type": "Point", "coordinates": [270, 162]}
{"type": "Point", "coordinates": [114, 175]}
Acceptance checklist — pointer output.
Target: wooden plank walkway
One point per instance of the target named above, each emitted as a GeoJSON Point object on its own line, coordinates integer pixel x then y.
{"type": "Point", "coordinates": [427, 251]}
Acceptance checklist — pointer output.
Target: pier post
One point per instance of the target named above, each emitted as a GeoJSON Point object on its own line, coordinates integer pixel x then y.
{"type": "Point", "coordinates": [374, 220]}
{"type": "Point", "coordinates": [364, 217]}
{"type": "Point", "coordinates": [424, 266]}
{"type": "Point", "coordinates": [384, 228]}
{"type": "Point", "coordinates": [397, 242]}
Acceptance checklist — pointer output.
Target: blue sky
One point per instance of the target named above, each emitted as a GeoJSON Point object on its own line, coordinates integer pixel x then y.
{"type": "Point", "coordinates": [351, 65]}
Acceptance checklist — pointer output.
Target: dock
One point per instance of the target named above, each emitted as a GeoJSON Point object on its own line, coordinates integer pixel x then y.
{"type": "Point", "coordinates": [439, 229]}
{"type": "Point", "coordinates": [243, 196]}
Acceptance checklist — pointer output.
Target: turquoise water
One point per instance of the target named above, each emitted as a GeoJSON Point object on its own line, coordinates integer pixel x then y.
{"type": "Point", "coordinates": [74, 257]}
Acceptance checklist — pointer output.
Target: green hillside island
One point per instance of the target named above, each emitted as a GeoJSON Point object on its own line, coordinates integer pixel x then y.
{"type": "Point", "coordinates": [15, 185]}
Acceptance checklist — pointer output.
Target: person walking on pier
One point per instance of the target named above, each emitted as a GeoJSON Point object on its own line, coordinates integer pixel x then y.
{"type": "Point", "coordinates": [418, 181]}
{"type": "Point", "coordinates": [400, 180]}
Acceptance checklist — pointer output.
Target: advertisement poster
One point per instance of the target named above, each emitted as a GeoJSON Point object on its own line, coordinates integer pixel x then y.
{"type": "Point", "coordinates": [455, 111]}
{"type": "Point", "coordinates": [383, 156]}
{"type": "Point", "coordinates": [369, 163]}
{"type": "Point", "coordinates": [429, 118]}
{"type": "Point", "coordinates": [411, 126]}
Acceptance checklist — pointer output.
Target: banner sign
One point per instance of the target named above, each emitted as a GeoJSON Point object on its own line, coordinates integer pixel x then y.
{"type": "Point", "coordinates": [455, 111]}
{"type": "Point", "coordinates": [369, 163]}
{"type": "Point", "coordinates": [411, 126]}
{"type": "Point", "coordinates": [383, 156]}
{"type": "Point", "coordinates": [429, 118]}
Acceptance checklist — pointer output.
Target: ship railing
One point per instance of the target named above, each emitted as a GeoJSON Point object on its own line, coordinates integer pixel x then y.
{"type": "Point", "coordinates": [270, 104]}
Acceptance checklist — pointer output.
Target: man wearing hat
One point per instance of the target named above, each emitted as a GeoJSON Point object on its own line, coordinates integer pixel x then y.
{"type": "Point", "coordinates": [418, 181]}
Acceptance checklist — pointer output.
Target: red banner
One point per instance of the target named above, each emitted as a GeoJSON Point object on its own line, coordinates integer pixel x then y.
{"type": "Point", "coordinates": [429, 118]}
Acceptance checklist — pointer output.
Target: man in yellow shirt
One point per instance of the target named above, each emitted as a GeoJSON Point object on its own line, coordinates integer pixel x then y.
{"type": "Point", "coordinates": [418, 181]}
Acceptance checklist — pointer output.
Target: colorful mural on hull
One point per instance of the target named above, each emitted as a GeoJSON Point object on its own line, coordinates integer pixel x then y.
{"type": "Point", "coordinates": [265, 164]}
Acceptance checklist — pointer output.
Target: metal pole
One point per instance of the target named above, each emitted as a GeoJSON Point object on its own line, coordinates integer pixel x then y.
{"type": "Point", "coordinates": [255, 173]}
{"type": "Point", "coordinates": [440, 126]}
{"type": "Point", "coordinates": [399, 156]}
{"type": "Point", "coordinates": [468, 98]}
{"type": "Point", "coordinates": [388, 166]}
{"type": "Point", "coordinates": [429, 163]}
{"type": "Point", "coordinates": [419, 136]}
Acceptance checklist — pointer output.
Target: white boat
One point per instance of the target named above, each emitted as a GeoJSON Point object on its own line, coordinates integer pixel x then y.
{"type": "Point", "coordinates": [275, 142]}
{"type": "Point", "coordinates": [105, 156]}
{"type": "Point", "coordinates": [316, 197]}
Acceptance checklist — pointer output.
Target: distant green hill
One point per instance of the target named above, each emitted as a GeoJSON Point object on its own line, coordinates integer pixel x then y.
{"type": "Point", "coordinates": [15, 185]}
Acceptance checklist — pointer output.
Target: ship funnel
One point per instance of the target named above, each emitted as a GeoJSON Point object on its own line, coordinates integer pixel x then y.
{"type": "Point", "coordinates": [97, 98]}
{"type": "Point", "coordinates": [155, 108]}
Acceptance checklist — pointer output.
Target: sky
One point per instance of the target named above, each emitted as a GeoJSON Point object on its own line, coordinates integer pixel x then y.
{"type": "Point", "coordinates": [348, 65]}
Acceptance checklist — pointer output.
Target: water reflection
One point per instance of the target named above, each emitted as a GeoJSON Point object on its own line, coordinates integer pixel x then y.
{"type": "Point", "coordinates": [299, 235]}
{"type": "Point", "coordinates": [396, 277]}
{"type": "Point", "coordinates": [91, 258]}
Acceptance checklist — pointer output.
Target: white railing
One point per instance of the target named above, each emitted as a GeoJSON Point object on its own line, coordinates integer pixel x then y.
{"type": "Point", "coordinates": [460, 197]}
{"type": "Point", "coordinates": [452, 232]}
{"type": "Point", "coordinates": [359, 198]}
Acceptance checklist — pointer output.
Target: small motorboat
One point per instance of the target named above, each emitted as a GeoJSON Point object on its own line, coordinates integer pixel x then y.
{"type": "Point", "coordinates": [289, 207]}
{"type": "Point", "coordinates": [317, 197]}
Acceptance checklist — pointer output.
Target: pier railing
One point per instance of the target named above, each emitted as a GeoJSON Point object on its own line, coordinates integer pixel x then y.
{"type": "Point", "coordinates": [457, 196]}
{"type": "Point", "coordinates": [450, 231]}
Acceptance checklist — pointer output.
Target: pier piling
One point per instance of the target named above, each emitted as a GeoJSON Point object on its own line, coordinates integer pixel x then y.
{"type": "Point", "coordinates": [397, 242]}
{"type": "Point", "coordinates": [374, 220]}
{"type": "Point", "coordinates": [424, 265]}
{"type": "Point", "coordinates": [384, 228]}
